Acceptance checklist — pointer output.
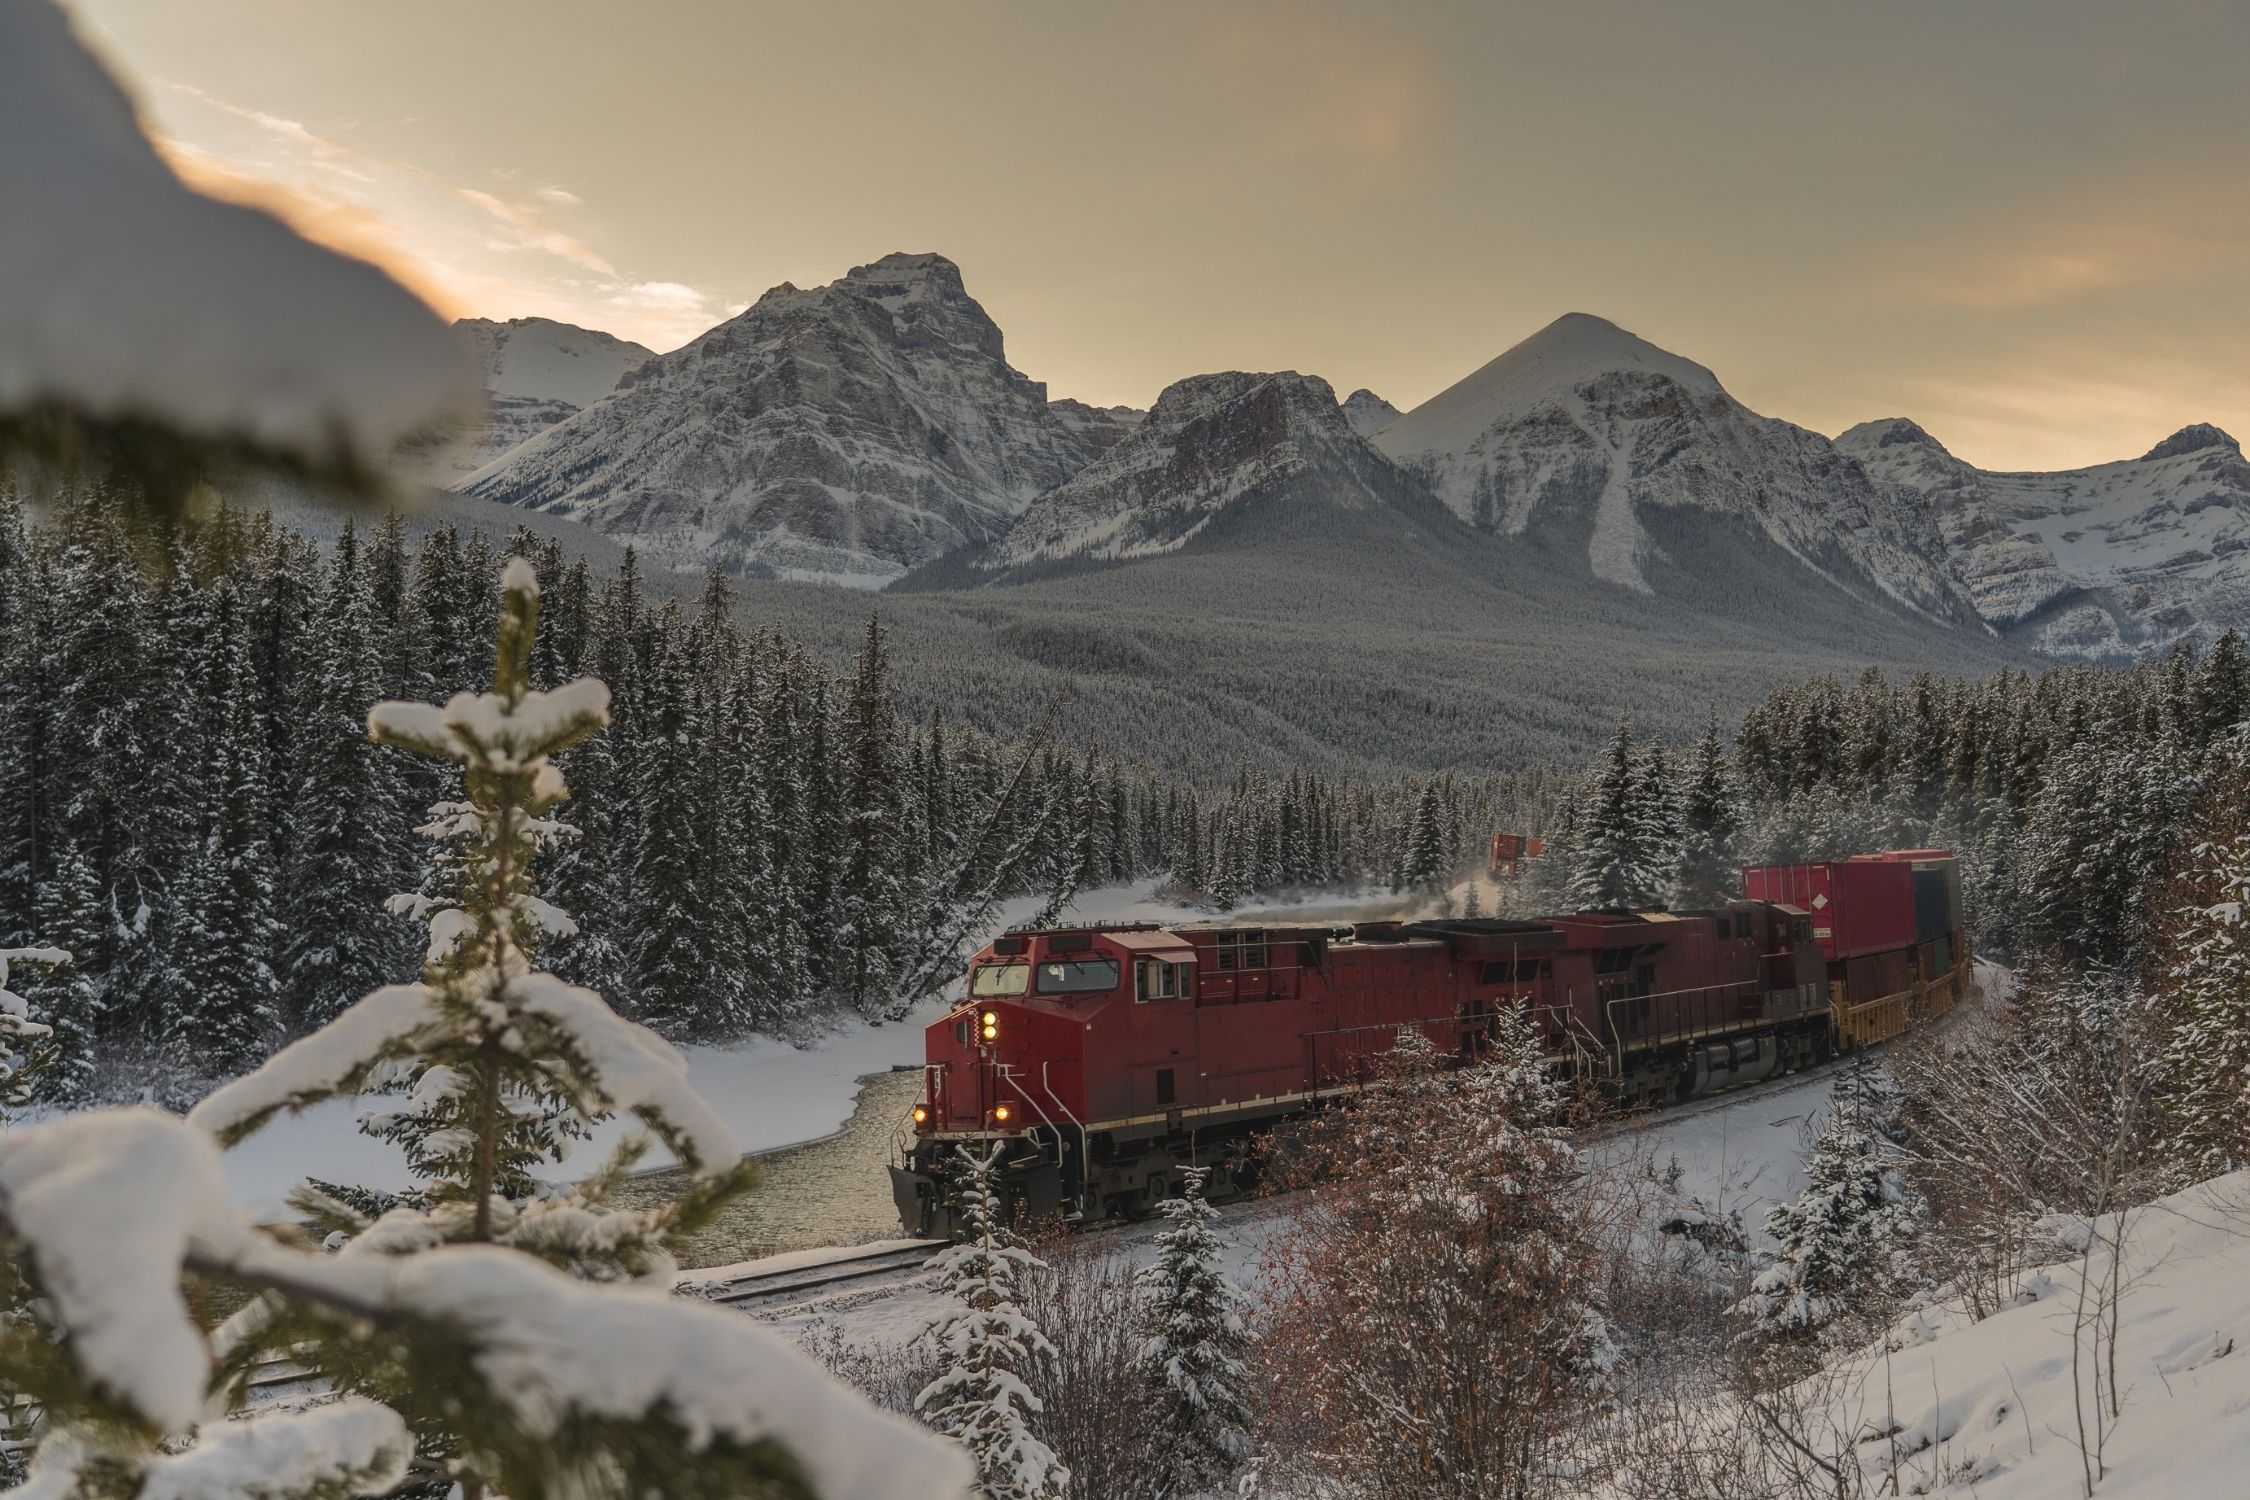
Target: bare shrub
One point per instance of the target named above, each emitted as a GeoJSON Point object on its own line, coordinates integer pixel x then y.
{"type": "Point", "coordinates": [1434, 1304]}
{"type": "Point", "coordinates": [1098, 1415]}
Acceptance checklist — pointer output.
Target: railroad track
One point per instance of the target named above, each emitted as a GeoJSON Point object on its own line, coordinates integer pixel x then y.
{"type": "Point", "coordinates": [750, 1291]}
{"type": "Point", "coordinates": [279, 1378]}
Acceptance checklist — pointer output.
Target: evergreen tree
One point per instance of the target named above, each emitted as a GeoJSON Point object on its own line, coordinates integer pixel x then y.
{"type": "Point", "coordinates": [871, 894]}
{"type": "Point", "coordinates": [344, 828]}
{"type": "Point", "coordinates": [1845, 1244]}
{"type": "Point", "coordinates": [66, 997]}
{"type": "Point", "coordinates": [221, 948]}
{"type": "Point", "coordinates": [1194, 1355]}
{"type": "Point", "coordinates": [1618, 834]}
{"type": "Point", "coordinates": [1426, 859]}
{"type": "Point", "coordinates": [1710, 828]}
{"type": "Point", "coordinates": [673, 967]}
{"type": "Point", "coordinates": [25, 1042]}
{"type": "Point", "coordinates": [979, 1397]}
{"type": "Point", "coordinates": [2203, 996]}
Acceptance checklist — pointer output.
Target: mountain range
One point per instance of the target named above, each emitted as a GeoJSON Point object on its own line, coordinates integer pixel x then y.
{"type": "Point", "coordinates": [872, 432]}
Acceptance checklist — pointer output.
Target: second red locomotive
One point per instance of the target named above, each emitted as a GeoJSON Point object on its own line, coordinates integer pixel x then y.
{"type": "Point", "coordinates": [1109, 1058]}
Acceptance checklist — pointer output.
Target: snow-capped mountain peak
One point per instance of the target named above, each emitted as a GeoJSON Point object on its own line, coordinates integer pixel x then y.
{"type": "Point", "coordinates": [2102, 562]}
{"type": "Point", "coordinates": [1367, 412]}
{"type": "Point", "coordinates": [1590, 437]}
{"type": "Point", "coordinates": [1574, 350]}
{"type": "Point", "coordinates": [539, 359]}
{"type": "Point", "coordinates": [845, 432]}
{"type": "Point", "coordinates": [2193, 439]}
{"type": "Point", "coordinates": [536, 372]}
{"type": "Point", "coordinates": [1210, 446]}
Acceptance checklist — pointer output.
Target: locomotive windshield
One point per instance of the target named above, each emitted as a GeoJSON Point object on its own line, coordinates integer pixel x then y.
{"type": "Point", "coordinates": [1077, 976]}
{"type": "Point", "coordinates": [999, 979]}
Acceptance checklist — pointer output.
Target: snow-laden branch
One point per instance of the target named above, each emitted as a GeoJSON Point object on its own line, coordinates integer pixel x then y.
{"type": "Point", "coordinates": [392, 1022]}
{"type": "Point", "coordinates": [125, 297]}
{"type": "Point", "coordinates": [633, 1068]}
{"type": "Point", "coordinates": [114, 1207]}
{"type": "Point", "coordinates": [108, 1204]}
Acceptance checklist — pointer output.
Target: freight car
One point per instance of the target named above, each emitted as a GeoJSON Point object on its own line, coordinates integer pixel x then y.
{"type": "Point", "coordinates": [1106, 1059]}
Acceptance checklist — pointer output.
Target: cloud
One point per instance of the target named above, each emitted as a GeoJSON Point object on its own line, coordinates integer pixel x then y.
{"type": "Point", "coordinates": [532, 235]}
{"type": "Point", "coordinates": [1315, 78]}
{"type": "Point", "coordinates": [2169, 229]}
{"type": "Point", "coordinates": [466, 250]}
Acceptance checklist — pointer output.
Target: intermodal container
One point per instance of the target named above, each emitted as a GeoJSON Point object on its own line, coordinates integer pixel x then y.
{"type": "Point", "coordinates": [1857, 905]}
{"type": "Point", "coordinates": [1937, 889]}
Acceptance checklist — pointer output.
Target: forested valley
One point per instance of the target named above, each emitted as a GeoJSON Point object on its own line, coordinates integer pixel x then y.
{"type": "Point", "coordinates": [190, 805]}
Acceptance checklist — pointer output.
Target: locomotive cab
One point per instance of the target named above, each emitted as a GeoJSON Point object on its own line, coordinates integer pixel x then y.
{"type": "Point", "coordinates": [1004, 1069]}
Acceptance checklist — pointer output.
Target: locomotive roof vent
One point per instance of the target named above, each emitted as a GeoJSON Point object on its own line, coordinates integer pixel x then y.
{"type": "Point", "coordinates": [1070, 942]}
{"type": "Point", "coordinates": [1010, 944]}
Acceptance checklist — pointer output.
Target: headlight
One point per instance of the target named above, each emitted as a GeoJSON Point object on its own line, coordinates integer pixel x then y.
{"type": "Point", "coordinates": [921, 1115]}
{"type": "Point", "coordinates": [1000, 1112]}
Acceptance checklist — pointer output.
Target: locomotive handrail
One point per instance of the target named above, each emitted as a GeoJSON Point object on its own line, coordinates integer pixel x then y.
{"type": "Point", "coordinates": [1007, 1074]}
{"type": "Point", "coordinates": [1085, 1141]}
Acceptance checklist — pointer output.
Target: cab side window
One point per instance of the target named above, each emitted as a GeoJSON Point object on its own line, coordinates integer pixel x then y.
{"type": "Point", "coordinates": [1161, 981]}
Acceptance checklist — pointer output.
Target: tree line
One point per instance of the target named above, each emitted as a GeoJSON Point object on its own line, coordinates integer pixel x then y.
{"type": "Point", "coordinates": [189, 803]}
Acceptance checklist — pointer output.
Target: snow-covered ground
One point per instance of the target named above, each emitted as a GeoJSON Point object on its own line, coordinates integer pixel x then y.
{"type": "Point", "coordinates": [1986, 1408]}
{"type": "Point", "coordinates": [1738, 1153]}
{"type": "Point", "coordinates": [770, 1093]}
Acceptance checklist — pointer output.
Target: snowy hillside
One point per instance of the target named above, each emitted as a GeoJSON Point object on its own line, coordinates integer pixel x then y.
{"type": "Point", "coordinates": [2102, 562]}
{"type": "Point", "coordinates": [844, 432]}
{"type": "Point", "coordinates": [1211, 443]}
{"type": "Point", "coordinates": [536, 372]}
{"type": "Point", "coordinates": [1585, 433]}
{"type": "Point", "coordinates": [1986, 1408]}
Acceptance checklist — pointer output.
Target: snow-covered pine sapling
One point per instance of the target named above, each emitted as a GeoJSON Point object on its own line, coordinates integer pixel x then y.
{"type": "Point", "coordinates": [17, 1029]}
{"type": "Point", "coordinates": [1193, 1356]}
{"type": "Point", "coordinates": [980, 1398]}
{"type": "Point", "coordinates": [1845, 1243]}
{"type": "Point", "coordinates": [504, 1064]}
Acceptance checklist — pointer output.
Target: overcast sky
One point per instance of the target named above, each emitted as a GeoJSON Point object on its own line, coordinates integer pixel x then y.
{"type": "Point", "coordinates": [2024, 223]}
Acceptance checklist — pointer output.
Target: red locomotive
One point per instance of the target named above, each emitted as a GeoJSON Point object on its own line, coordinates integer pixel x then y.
{"type": "Point", "coordinates": [1108, 1058]}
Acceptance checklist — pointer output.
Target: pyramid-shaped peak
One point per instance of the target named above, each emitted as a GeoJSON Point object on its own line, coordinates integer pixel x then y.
{"type": "Point", "coordinates": [1577, 346]}
{"type": "Point", "coordinates": [1559, 360]}
{"type": "Point", "coordinates": [2193, 439]}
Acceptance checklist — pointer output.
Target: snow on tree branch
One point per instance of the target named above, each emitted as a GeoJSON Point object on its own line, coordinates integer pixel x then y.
{"type": "Point", "coordinates": [631, 1068]}
{"type": "Point", "coordinates": [108, 1204]}
{"type": "Point", "coordinates": [127, 298]}
{"type": "Point", "coordinates": [116, 1207]}
{"type": "Point", "coordinates": [350, 1448]}
{"type": "Point", "coordinates": [389, 1023]}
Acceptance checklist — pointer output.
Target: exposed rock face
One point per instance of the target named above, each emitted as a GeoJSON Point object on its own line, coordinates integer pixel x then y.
{"type": "Point", "coordinates": [2111, 561]}
{"type": "Point", "coordinates": [1583, 429]}
{"type": "Point", "coordinates": [847, 432]}
{"type": "Point", "coordinates": [1211, 444]}
{"type": "Point", "coordinates": [1367, 412]}
{"type": "Point", "coordinates": [536, 372]}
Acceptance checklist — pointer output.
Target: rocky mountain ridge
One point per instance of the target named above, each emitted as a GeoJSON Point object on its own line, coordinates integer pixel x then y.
{"type": "Point", "coordinates": [2104, 562]}
{"type": "Point", "coordinates": [1211, 444]}
{"type": "Point", "coordinates": [1584, 430]}
{"type": "Point", "coordinates": [870, 428]}
{"type": "Point", "coordinates": [536, 373]}
{"type": "Point", "coordinates": [844, 432]}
